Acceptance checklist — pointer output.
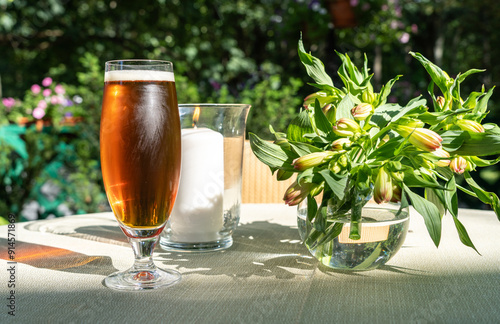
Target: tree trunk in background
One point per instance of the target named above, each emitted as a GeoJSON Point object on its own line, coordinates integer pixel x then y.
{"type": "Point", "coordinates": [377, 66]}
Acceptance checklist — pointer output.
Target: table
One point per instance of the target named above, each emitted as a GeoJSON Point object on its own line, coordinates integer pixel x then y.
{"type": "Point", "coordinates": [267, 276]}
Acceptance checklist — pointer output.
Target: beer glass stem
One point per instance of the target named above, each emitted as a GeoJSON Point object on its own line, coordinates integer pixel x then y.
{"type": "Point", "coordinates": [143, 251]}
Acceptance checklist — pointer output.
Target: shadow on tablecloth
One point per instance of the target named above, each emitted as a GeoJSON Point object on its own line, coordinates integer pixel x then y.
{"type": "Point", "coordinates": [52, 258]}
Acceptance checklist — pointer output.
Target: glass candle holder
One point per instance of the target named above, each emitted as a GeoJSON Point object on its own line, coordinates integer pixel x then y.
{"type": "Point", "coordinates": [207, 208]}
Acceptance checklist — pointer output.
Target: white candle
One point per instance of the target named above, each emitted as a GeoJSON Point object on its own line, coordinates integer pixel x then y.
{"type": "Point", "coordinates": [197, 215]}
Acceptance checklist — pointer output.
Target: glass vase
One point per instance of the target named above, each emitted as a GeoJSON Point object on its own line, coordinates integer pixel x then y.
{"type": "Point", "coordinates": [207, 208]}
{"type": "Point", "coordinates": [382, 231]}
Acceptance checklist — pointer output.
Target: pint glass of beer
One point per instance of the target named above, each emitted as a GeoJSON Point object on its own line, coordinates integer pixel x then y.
{"type": "Point", "coordinates": [140, 158]}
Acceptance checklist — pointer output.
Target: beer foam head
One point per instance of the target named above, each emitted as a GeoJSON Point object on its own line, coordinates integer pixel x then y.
{"type": "Point", "coordinates": [138, 75]}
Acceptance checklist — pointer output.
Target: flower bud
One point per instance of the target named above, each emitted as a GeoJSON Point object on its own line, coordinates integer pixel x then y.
{"type": "Point", "coordinates": [368, 96]}
{"type": "Point", "coordinates": [440, 153]}
{"type": "Point", "coordinates": [311, 160]}
{"type": "Point", "coordinates": [362, 111]}
{"type": "Point", "coordinates": [338, 144]}
{"type": "Point", "coordinates": [411, 122]}
{"type": "Point", "coordinates": [396, 194]}
{"type": "Point", "coordinates": [398, 175]}
{"type": "Point", "coordinates": [326, 108]}
{"type": "Point", "coordinates": [440, 102]}
{"type": "Point", "coordinates": [458, 165]}
{"type": "Point", "coordinates": [470, 125]}
{"type": "Point", "coordinates": [297, 192]}
{"type": "Point", "coordinates": [346, 127]}
{"type": "Point", "coordinates": [322, 97]}
{"type": "Point", "coordinates": [343, 161]}
{"type": "Point", "coordinates": [382, 192]}
{"type": "Point", "coordinates": [422, 138]}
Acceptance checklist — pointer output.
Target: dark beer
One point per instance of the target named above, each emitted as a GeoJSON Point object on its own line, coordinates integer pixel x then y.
{"type": "Point", "coordinates": [140, 148]}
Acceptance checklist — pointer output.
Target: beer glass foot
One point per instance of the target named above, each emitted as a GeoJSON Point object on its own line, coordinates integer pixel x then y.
{"type": "Point", "coordinates": [134, 279]}
{"type": "Point", "coordinates": [144, 274]}
{"type": "Point", "coordinates": [218, 245]}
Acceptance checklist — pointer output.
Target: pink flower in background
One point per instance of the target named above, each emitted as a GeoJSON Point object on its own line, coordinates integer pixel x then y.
{"type": "Point", "coordinates": [42, 104]}
{"type": "Point", "coordinates": [36, 89]}
{"type": "Point", "coordinates": [404, 38]}
{"type": "Point", "coordinates": [414, 28]}
{"type": "Point", "coordinates": [59, 89]}
{"type": "Point", "coordinates": [8, 102]}
{"type": "Point", "coordinates": [47, 81]}
{"type": "Point", "coordinates": [38, 113]}
{"type": "Point", "coordinates": [354, 3]}
{"type": "Point", "coordinates": [47, 92]}
{"type": "Point", "coordinates": [384, 7]}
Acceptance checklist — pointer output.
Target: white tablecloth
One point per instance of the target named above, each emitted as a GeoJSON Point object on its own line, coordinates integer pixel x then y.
{"type": "Point", "coordinates": [266, 276]}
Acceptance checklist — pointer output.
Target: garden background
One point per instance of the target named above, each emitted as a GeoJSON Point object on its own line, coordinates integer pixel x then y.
{"type": "Point", "coordinates": [52, 54]}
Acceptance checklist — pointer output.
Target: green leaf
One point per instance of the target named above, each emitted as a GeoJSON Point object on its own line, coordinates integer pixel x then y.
{"type": "Point", "coordinates": [386, 91]}
{"type": "Point", "coordinates": [349, 72]}
{"type": "Point", "coordinates": [482, 104]}
{"type": "Point", "coordinates": [331, 232]}
{"type": "Point", "coordinates": [11, 135]}
{"type": "Point", "coordinates": [383, 114]}
{"type": "Point", "coordinates": [312, 208]}
{"type": "Point", "coordinates": [486, 197]}
{"type": "Point", "coordinates": [415, 104]}
{"type": "Point", "coordinates": [463, 235]}
{"type": "Point", "coordinates": [388, 149]}
{"type": "Point", "coordinates": [314, 67]}
{"type": "Point", "coordinates": [300, 126]}
{"type": "Point", "coordinates": [270, 154]}
{"type": "Point", "coordinates": [344, 108]}
{"type": "Point", "coordinates": [429, 212]}
{"type": "Point", "coordinates": [303, 148]}
{"type": "Point", "coordinates": [478, 144]}
{"type": "Point", "coordinates": [322, 123]}
{"type": "Point", "coordinates": [336, 183]}
{"type": "Point", "coordinates": [412, 179]}
{"type": "Point", "coordinates": [453, 140]}
{"type": "Point", "coordinates": [433, 196]}
{"type": "Point", "coordinates": [437, 75]}
{"type": "Point", "coordinates": [484, 163]}
{"type": "Point", "coordinates": [450, 196]}
{"type": "Point", "coordinates": [461, 77]}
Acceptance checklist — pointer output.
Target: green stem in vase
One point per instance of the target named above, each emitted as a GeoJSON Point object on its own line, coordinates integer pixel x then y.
{"type": "Point", "coordinates": [355, 229]}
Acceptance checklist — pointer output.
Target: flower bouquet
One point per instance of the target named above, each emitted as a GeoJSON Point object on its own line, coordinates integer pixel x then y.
{"type": "Point", "coordinates": [348, 145]}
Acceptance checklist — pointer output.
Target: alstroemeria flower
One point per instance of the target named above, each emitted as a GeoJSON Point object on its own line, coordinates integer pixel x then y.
{"type": "Point", "coordinates": [470, 125]}
{"type": "Point", "coordinates": [441, 154]}
{"type": "Point", "coordinates": [47, 81]}
{"type": "Point", "coordinates": [362, 111]}
{"type": "Point", "coordinates": [311, 160]}
{"type": "Point", "coordinates": [338, 144]}
{"type": "Point", "coordinates": [422, 138]}
{"type": "Point", "coordinates": [346, 127]}
{"type": "Point", "coordinates": [383, 188]}
{"type": "Point", "coordinates": [297, 192]}
{"type": "Point", "coordinates": [459, 165]}
{"type": "Point", "coordinates": [47, 92]}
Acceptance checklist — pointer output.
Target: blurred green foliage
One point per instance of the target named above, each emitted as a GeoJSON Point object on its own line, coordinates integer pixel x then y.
{"type": "Point", "coordinates": [223, 51]}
